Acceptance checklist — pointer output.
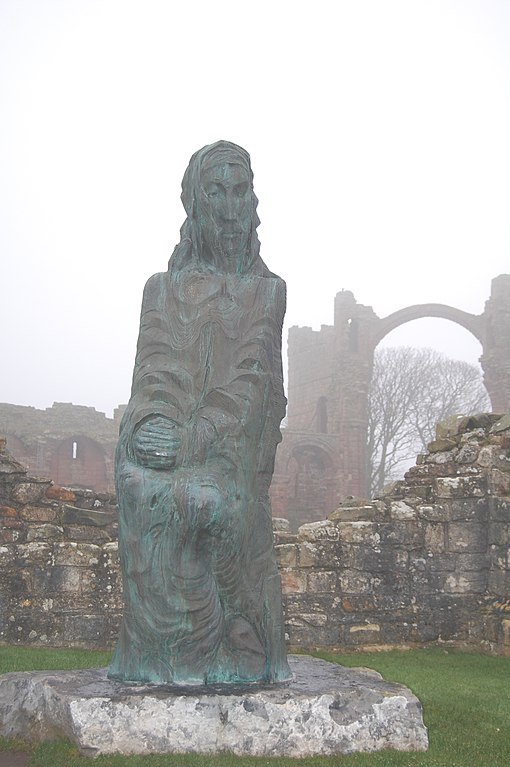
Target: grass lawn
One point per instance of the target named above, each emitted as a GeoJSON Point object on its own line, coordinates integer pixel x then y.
{"type": "Point", "coordinates": [465, 697]}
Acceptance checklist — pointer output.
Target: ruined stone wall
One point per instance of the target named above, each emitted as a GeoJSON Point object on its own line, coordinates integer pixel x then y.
{"type": "Point", "coordinates": [72, 444]}
{"type": "Point", "coordinates": [330, 371]}
{"type": "Point", "coordinates": [59, 575]}
{"type": "Point", "coordinates": [428, 561]}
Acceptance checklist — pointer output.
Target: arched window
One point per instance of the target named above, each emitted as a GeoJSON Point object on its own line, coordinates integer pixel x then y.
{"type": "Point", "coordinates": [322, 415]}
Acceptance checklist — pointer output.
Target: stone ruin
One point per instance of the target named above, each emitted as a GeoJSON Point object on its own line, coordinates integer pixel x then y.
{"type": "Point", "coordinates": [322, 458]}
{"type": "Point", "coordinates": [72, 444]}
{"type": "Point", "coordinates": [427, 562]}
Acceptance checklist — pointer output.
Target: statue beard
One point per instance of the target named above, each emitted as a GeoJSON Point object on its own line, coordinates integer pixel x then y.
{"type": "Point", "coordinates": [227, 245]}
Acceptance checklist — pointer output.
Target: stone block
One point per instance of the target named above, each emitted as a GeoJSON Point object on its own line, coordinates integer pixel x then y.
{"type": "Point", "coordinates": [320, 581]}
{"type": "Point", "coordinates": [355, 582]}
{"type": "Point", "coordinates": [65, 579]}
{"type": "Point", "coordinates": [459, 487]}
{"type": "Point", "coordinates": [359, 532]}
{"type": "Point", "coordinates": [437, 512]}
{"type": "Point", "coordinates": [281, 525]}
{"type": "Point", "coordinates": [8, 556]}
{"type": "Point", "coordinates": [499, 510]}
{"type": "Point", "coordinates": [501, 459]}
{"type": "Point", "coordinates": [471, 509]}
{"type": "Point", "coordinates": [314, 620]}
{"type": "Point", "coordinates": [308, 554]}
{"type": "Point", "coordinates": [325, 710]}
{"type": "Point", "coordinates": [402, 510]}
{"type": "Point", "coordinates": [468, 453]}
{"type": "Point", "coordinates": [357, 604]}
{"type": "Point", "coordinates": [7, 512]}
{"type": "Point", "coordinates": [293, 581]}
{"type": "Point", "coordinates": [11, 523]}
{"type": "Point", "coordinates": [352, 511]}
{"type": "Point", "coordinates": [499, 581]}
{"type": "Point", "coordinates": [426, 583]}
{"type": "Point", "coordinates": [31, 491]}
{"type": "Point", "coordinates": [286, 555]}
{"type": "Point", "coordinates": [77, 554]}
{"type": "Point", "coordinates": [368, 632]}
{"type": "Point", "coordinates": [466, 582]}
{"type": "Point", "coordinates": [499, 482]}
{"type": "Point", "coordinates": [40, 514]}
{"type": "Point", "coordinates": [434, 537]}
{"type": "Point", "coordinates": [56, 493]}
{"type": "Point", "coordinates": [46, 532]}
{"type": "Point", "coordinates": [406, 533]}
{"type": "Point", "coordinates": [486, 456]}
{"type": "Point", "coordinates": [441, 562]}
{"type": "Point", "coordinates": [306, 602]}
{"type": "Point", "coordinates": [73, 515]}
{"type": "Point", "coordinates": [473, 562]}
{"type": "Point", "coordinates": [499, 557]}
{"type": "Point", "coordinates": [371, 560]}
{"type": "Point", "coordinates": [498, 533]}
{"type": "Point", "coordinates": [88, 534]}
{"type": "Point", "coordinates": [36, 553]}
{"type": "Point", "coordinates": [9, 536]}
{"type": "Point", "coordinates": [442, 445]}
{"type": "Point", "coordinates": [391, 584]}
{"type": "Point", "coordinates": [467, 537]}
{"type": "Point", "coordinates": [111, 555]}
{"type": "Point", "coordinates": [318, 531]}
{"type": "Point", "coordinates": [84, 628]}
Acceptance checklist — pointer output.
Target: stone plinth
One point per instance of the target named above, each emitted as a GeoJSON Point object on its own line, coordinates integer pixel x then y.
{"type": "Point", "coordinates": [327, 709]}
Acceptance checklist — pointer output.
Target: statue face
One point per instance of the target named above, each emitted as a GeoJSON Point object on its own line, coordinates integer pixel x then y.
{"type": "Point", "coordinates": [226, 204]}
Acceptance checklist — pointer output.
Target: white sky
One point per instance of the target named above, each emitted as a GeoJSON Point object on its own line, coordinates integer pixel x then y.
{"type": "Point", "coordinates": [379, 136]}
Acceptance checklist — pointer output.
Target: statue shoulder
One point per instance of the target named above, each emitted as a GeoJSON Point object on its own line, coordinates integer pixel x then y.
{"type": "Point", "coordinates": [154, 288]}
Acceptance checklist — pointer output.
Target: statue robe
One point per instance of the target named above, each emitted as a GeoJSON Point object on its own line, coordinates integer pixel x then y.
{"type": "Point", "coordinates": [202, 593]}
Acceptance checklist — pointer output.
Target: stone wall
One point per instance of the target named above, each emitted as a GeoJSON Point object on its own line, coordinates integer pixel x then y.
{"type": "Point", "coordinates": [72, 444]}
{"type": "Point", "coordinates": [428, 561]}
{"type": "Point", "coordinates": [322, 457]}
{"type": "Point", "coordinates": [59, 575]}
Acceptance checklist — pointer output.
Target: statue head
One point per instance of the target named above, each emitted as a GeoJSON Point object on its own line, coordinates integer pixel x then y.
{"type": "Point", "coordinates": [220, 230]}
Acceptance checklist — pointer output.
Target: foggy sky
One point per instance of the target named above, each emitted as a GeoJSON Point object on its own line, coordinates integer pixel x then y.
{"type": "Point", "coordinates": [378, 133]}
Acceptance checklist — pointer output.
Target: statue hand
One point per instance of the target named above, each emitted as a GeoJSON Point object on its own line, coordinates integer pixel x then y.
{"type": "Point", "coordinates": [156, 443]}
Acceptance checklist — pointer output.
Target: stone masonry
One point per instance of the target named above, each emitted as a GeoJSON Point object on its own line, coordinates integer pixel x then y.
{"type": "Point", "coordinates": [428, 561]}
{"type": "Point", "coordinates": [59, 574]}
{"type": "Point", "coordinates": [322, 457]}
{"type": "Point", "coordinates": [72, 444]}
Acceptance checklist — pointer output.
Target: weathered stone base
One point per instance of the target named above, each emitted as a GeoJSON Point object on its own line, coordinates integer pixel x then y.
{"type": "Point", "coordinates": [326, 709]}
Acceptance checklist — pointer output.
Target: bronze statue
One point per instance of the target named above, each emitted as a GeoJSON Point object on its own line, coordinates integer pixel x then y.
{"type": "Point", "coordinates": [202, 594]}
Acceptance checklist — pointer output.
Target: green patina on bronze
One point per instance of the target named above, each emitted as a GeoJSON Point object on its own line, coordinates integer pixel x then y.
{"type": "Point", "coordinates": [202, 594]}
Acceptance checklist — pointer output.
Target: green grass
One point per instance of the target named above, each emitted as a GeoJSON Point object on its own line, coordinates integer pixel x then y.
{"type": "Point", "coordinates": [44, 659]}
{"type": "Point", "coordinates": [465, 697]}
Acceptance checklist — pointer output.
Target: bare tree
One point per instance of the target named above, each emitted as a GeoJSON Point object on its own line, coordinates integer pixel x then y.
{"type": "Point", "coordinates": [412, 390]}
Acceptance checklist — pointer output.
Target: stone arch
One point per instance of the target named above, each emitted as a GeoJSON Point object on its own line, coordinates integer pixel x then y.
{"type": "Point", "coordinates": [471, 322]}
{"type": "Point", "coordinates": [337, 362]}
{"type": "Point", "coordinates": [79, 462]}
